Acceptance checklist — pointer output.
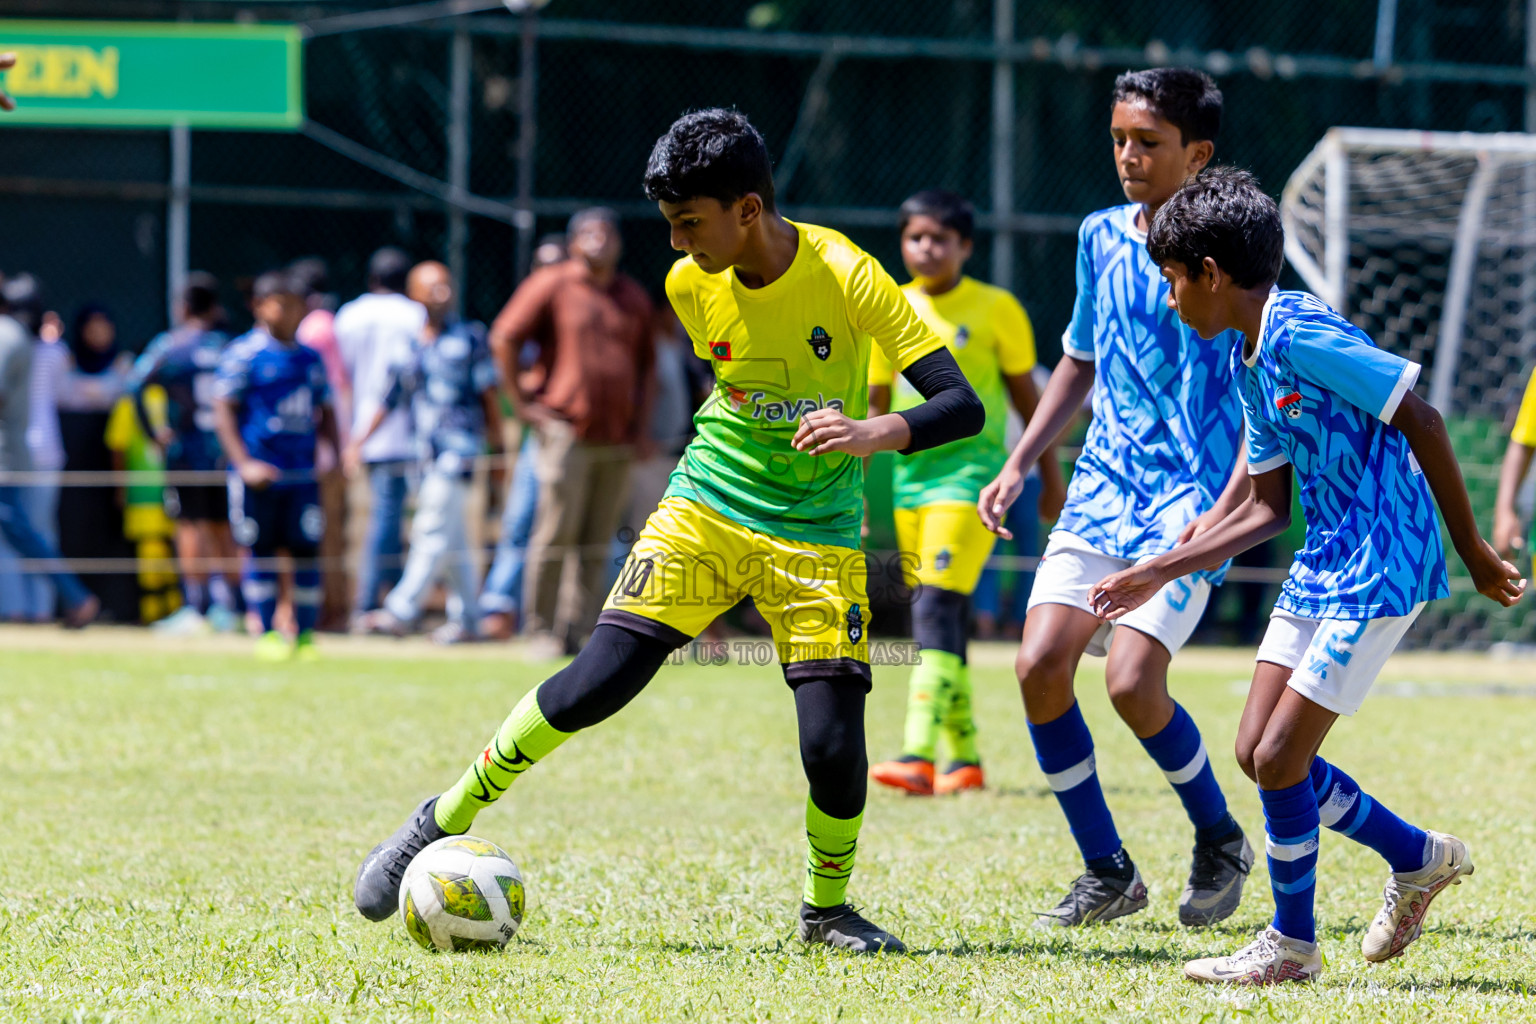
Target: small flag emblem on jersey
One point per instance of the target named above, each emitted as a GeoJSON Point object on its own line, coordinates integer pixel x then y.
{"type": "Point", "coordinates": [821, 343]}
{"type": "Point", "coordinates": [720, 350]}
{"type": "Point", "coordinates": [1288, 401]}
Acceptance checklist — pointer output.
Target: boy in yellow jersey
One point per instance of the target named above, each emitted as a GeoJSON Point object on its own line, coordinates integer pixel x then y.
{"type": "Point", "coordinates": [1508, 534]}
{"type": "Point", "coordinates": [766, 503]}
{"type": "Point", "coordinates": [943, 542]}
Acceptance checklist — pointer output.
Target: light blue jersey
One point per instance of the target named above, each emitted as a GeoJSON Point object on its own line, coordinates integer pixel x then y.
{"type": "Point", "coordinates": [1166, 417]}
{"type": "Point", "coordinates": [1318, 394]}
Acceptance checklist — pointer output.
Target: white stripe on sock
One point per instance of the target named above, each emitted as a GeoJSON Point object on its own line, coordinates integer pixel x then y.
{"type": "Point", "coordinates": [306, 595]}
{"type": "Point", "coordinates": [1337, 806]}
{"type": "Point", "coordinates": [1305, 848]}
{"type": "Point", "coordinates": [1190, 770]}
{"type": "Point", "coordinates": [258, 590]}
{"type": "Point", "coordinates": [1070, 778]}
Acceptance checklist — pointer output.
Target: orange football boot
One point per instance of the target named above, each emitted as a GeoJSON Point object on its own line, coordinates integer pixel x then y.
{"type": "Point", "coordinates": [915, 776]}
{"type": "Point", "coordinates": [958, 776]}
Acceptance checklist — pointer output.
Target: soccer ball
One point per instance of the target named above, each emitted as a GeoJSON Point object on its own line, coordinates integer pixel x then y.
{"type": "Point", "coordinates": [462, 893]}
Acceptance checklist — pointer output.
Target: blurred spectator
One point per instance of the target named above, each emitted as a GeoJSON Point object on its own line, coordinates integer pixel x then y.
{"type": "Point", "coordinates": [31, 596]}
{"type": "Point", "coordinates": [501, 602]}
{"type": "Point", "coordinates": [682, 383]}
{"type": "Point", "coordinates": [317, 331]}
{"type": "Point", "coordinates": [375, 333]}
{"type": "Point", "coordinates": [593, 328]}
{"type": "Point", "coordinates": [91, 521]}
{"type": "Point", "coordinates": [176, 375]}
{"type": "Point", "coordinates": [16, 346]}
{"type": "Point", "coordinates": [449, 386]}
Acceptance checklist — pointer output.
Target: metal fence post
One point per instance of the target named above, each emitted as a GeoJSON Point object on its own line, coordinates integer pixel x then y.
{"type": "Point", "coordinates": [458, 161]}
{"type": "Point", "coordinates": [527, 123]}
{"type": "Point", "coordinates": [1002, 147]}
{"type": "Point", "coordinates": [178, 219]}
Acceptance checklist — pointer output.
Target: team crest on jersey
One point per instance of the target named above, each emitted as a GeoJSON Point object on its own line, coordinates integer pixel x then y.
{"type": "Point", "coordinates": [855, 620]}
{"type": "Point", "coordinates": [942, 559]}
{"type": "Point", "coordinates": [1288, 401]}
{"type": "Point", "coordinates": [821, 343]}
{"type": "Point", "coordinates": [962, 336]}
{"type": "Point", "coordinates": [720, 350]}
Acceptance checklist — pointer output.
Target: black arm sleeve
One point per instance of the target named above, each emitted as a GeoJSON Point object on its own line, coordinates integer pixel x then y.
{"type": "Point", "coordinates": [951, 409]}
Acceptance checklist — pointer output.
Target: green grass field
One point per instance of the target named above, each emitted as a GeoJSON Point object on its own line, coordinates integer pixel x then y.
{"type": "Point", "coordinates": [181, 831]}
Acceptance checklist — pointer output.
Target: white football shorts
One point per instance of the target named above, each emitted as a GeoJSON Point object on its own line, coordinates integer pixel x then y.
{"type": "Point", "coordinates": [1071, 566]}
{"type": "Point", "coordinates": [1333, 662]}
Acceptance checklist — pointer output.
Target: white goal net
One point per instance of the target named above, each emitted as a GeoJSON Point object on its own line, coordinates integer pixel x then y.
{"type": "Point", "coordinates": [1427, 241]}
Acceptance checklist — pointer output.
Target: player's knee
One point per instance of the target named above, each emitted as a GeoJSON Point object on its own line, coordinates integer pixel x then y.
{"type": "Point", "coordinates": [1245, 748]}
{"type": "Point", "coordinates": [1274, 764]}
{"type": "Point", "coordinates": [939, 619]}
{"type": "Point", "coordinates": [607, 673]}
{"type": "Point", "coordinates": [1044, 668]}
{"type": "Point", "coordinates": [1138, 696]}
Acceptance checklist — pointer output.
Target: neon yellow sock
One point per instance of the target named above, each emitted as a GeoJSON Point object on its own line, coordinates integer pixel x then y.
{"type": "Point", "coordinates": [959, 724]}
{"type": "Point", "coordinates": [523, 740]}
{"type": "Point", "coordinates": [928, 696]}
{"type": "Point", "coordinates": [830, 847]}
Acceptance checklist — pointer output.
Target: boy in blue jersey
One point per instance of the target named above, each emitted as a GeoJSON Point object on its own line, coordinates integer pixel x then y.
{"type": "Point", "coordinates": [1160, 451]}
{"type": "Point", "coordinates": [184, 362]}
{"type": "Point", "coordinates": [1320, 399]}
{"type": "Point", "coordinates": [449, 385]}
{"type": "Point", "coordinates": [272, 408]}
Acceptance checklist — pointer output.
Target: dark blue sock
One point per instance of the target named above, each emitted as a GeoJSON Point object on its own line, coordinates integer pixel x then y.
{"type": "Point", "coordinates": [260, 589]}
{"type": "Point", "coordinates": [1290, 819]}
{"type": "Point", "coordinates": [1344, 807]}
{"type": "Point", "coordinates": [306, 598]}
{"type": "Point", "coordinates": [1064, 749]}
{"type": "Point", "coordinates": [1180, 753]}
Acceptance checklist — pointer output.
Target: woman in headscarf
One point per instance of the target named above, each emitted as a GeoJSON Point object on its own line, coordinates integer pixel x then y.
{"type": "Point", "coordinates": [91, 522]}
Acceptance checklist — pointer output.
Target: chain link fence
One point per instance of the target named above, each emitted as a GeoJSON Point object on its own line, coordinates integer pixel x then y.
{"type": "Point", "coordinates": [463, 131]}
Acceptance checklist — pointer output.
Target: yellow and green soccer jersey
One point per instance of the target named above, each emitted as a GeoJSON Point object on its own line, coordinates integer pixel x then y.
{"type": "Point", "coordinates": [1525, 421]}
{"type": "Point", "coordinates": [799, 343]}
{"type": "Point", "coordinates": [991, 338]}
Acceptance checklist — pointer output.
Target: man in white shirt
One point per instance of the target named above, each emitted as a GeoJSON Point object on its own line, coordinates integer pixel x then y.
{"type": "Point", "coordinates": [376, 333]}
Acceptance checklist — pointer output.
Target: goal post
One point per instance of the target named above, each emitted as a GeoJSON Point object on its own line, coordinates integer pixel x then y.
{"type": "Point", "coordinates": [1427, 242]}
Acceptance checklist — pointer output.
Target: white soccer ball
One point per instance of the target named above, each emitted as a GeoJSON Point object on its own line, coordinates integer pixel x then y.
{"type": "Point", "coordinates": [462, 893]}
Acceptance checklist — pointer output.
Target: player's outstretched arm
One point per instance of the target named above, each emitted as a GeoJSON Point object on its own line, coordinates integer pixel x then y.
{"type": "Point", "coordinates": [1063, 396]}
{"type": "Point", "coordinates": [1053, 489]}
{"type": "Point", "coordinates": [1425, 430]}
{"type": "Point", "coordinates": [1265, 513]}
{"type": "Point", "coordinates": [1508, 531]}
{"type": "Point", "coordinates": [950, 411]}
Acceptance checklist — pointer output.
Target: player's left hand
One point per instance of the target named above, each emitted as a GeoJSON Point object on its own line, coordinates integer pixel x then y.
{"type": "Point", "coordinates": [827, 430]}
{"type": "Point", "coordinates": [1124, 591]}
{"type": "Point", "coordinates": [1494, 578]}
{"type": "Point", "coordinates": [7, 61]}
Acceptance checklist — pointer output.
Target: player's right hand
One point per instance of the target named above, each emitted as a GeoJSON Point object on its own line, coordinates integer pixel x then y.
{"type": "Point", "coordinates": [7, 60]}
{"type": "Point", "coordinates": [1124, 591]}
{"type": "Point", "coordinates": [997, 498]}
{"type": "Point", "coordinates": [259, 475]}
{"type": "Point", "coordinates": [1495, 579]}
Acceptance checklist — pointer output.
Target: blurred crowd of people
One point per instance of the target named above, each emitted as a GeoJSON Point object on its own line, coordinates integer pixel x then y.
{"type": "Point", "coordinates": [587, 382]}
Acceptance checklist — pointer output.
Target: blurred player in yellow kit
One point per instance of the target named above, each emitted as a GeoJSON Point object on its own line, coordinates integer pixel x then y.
{"type": "Point", "coordinates": [943, 543]}
{"type": "Point", "coordinates": [1508, 534]}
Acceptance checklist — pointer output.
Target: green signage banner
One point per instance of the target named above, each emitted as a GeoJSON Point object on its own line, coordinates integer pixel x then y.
{"type": "Point", "coordinates": [153, 73]}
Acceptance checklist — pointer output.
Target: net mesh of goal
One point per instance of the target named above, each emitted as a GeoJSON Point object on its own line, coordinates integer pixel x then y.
{"type": "Point", "coordinates": [1427, 242]}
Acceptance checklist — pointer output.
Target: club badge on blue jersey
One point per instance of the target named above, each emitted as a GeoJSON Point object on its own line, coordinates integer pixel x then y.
{"type": "Point", "coordinates": [1288, 401]}
{"type": "Point", "coordinates": [821, 343]}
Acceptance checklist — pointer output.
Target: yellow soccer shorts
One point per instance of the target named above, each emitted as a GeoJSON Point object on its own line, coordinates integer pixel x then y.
{"type": "Point", "coordinates": [690, 564]}
{"type": "Point", "coordinates": [943, 545]}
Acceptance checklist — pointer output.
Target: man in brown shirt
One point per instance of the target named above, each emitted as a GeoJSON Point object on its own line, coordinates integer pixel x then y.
{"type": "Point", "coordinates": [592, 325]}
